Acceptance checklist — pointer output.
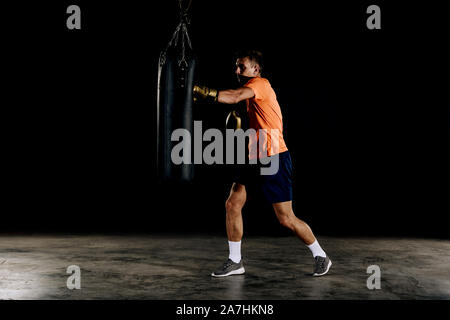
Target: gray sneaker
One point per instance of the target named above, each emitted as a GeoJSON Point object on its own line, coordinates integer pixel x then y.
{"type": "Point", "coordinates": [321, 266]}
{"type": "Point", "coordinates": [229, 268]}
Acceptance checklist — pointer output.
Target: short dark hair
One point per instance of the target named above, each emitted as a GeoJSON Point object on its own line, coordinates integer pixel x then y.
{"type": "Point", "coordinates": [254, 56]}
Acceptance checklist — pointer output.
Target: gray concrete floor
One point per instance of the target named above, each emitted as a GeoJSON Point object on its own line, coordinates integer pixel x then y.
{"type": "Point", "coordinates": [179, 267]}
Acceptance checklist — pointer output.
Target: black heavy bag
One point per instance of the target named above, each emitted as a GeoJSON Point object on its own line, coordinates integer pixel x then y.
{"type": "Point", "coordinates": [174, 104]}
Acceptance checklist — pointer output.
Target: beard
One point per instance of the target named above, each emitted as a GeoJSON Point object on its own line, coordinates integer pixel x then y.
{"type": "Point", "coordinates": [243, 79]}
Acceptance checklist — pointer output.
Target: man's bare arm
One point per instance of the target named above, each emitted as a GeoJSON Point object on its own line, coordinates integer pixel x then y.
{"type": "Point", "coordinates": [233, 96]}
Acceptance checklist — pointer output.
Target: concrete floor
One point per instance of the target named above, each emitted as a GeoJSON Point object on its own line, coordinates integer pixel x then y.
{"type": "Point", "coordinates": [179, 267]}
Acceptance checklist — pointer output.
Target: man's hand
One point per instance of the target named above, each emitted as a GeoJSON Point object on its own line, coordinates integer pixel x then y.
{"type": "Point", "coordinates": [205, 93]}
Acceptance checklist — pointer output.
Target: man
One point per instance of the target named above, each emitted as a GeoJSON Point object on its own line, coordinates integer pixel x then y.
{"type": "Point", "coordinates": [264, 114]}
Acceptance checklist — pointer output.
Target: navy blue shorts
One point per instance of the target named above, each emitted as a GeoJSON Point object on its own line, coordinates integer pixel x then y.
{"type": "Point", "coordinates": [276, 187]}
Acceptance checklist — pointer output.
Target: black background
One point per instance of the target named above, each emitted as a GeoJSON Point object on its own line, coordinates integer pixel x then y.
{"type": "Point", "coordinates": [79, 128]}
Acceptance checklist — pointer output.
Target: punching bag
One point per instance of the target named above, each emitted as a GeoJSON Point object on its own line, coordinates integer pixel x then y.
{"type": "Point", "coordinates": [174, 103]}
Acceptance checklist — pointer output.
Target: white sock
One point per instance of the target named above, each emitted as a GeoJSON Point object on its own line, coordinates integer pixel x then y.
{"type": "Point", "coordinates": [235, 251]}
{"type": "Point", "coordinates": [316, 249]}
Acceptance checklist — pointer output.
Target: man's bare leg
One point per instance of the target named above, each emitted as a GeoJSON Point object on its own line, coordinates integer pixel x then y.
{"type": "Point", "coordinates": [287, 218]}
{"type": "Point", "coordinates": [234, 205]}
{"type": "Point", "coordinates": [235, 230]}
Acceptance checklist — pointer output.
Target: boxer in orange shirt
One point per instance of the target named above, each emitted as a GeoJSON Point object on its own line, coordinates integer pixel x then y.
{"type": "Point", "coordinates": [264, 114]}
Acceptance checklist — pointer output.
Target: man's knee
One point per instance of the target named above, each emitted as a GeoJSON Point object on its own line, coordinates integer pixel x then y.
{"type": "Point", "coordinates": [233, 206]}
{"type": "Point", "coordinates": [286, 220]}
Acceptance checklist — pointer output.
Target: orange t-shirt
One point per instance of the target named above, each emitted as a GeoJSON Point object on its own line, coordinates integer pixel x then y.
{"type": "Point", "coordinates": [264, 113]}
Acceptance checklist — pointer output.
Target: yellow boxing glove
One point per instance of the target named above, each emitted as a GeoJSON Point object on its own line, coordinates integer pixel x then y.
{"type": "Point", "coordinates": [205, 93]}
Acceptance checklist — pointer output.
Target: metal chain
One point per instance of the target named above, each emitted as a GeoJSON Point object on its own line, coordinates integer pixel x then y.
{"type": "Point", "coordinates": [181, 28]}
{"type": "Point", "coordinates": [180, 2]}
